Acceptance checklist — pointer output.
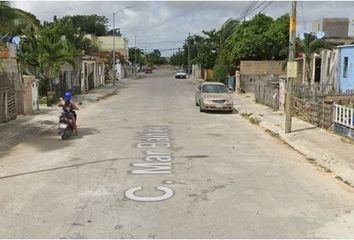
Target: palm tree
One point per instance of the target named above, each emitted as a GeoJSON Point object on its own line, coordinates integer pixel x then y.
{"type": "Point", "coordinates": [13, 21]}
{"type": "Point", "coordinates": [222, 66]}
{"type": "Point", "coordinates": [310, 45]}
{"type": "Point", "coordinates": [43, 55]}
{"type": "Point", "coordinates": [227, 29]}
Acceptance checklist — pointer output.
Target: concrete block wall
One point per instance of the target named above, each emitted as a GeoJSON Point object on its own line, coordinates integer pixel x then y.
{"type": "Point", "coordinates": [332, 27]}
{"type": "Point", "coordinates": [9, 74]}
{"type": "Point", "coordinates": [262, 68]}
{"type": "Point", "coordinates": [27, 94]}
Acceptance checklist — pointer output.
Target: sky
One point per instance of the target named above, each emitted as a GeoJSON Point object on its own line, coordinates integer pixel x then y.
{"type": "Point", "coordinates": [166, 24]}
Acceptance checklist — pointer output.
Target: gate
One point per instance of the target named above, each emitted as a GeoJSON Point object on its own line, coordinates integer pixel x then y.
{"type": "Point", "coordinates": [8, 105]}
{"type": "Point", "coordinates": [3, 106]}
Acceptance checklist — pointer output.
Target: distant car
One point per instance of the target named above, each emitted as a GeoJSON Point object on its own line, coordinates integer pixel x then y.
{"type": "Point", "coordinates": [213, 96]}
{"type": "Point", "coordinates": [148, 70]}
{"type": "Point", "coordinates": [180, 74]}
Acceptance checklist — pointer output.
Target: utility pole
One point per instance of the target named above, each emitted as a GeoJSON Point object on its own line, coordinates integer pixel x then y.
{"type": "Point", "coordinates": [189, 55]}
{"type": "Point", "coordinates": [135, 55]}
{"type": "Point", "coordinates": [291, 64]}
{"type": "Point", "coordinates": [114, 66]}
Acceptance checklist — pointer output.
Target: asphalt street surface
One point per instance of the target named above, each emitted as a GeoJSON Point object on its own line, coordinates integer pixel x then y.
{"type": "Point", "coordinates": [148, 164]}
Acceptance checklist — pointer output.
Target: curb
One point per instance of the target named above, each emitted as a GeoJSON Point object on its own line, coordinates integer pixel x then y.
{"type": "Point", "coordinates": [339, 169]}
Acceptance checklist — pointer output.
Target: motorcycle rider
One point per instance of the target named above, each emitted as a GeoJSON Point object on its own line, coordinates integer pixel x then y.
{"type": "Point", "coordinates": [68, 107]}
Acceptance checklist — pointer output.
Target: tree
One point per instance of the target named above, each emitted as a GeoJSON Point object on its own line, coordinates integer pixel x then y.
{"type": "Point", "coordinates": [208, 49]}
{"type": "Point", "coordinates": [310, 45]}
{"type": "Point", "coordinates": [116, 33]}
{"type": "Point", "coordinates": [177, 59]}
{"type": "Point", "coordinates": [89, 24]}
{"type": "Point", "coordinates": [139, 55]}
{"type": "Point", "coordinates": [222, 68]}
{"type": "Point", "coordinates": [153, 58]}
{"type": "Point", "coordinates": [14, 21]}
{"type": "Point", "coordinates": [44, 53]}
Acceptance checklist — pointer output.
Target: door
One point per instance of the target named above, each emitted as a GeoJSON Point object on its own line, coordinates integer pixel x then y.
{"type": "Point", "coordinates": [35, 103]}
{"type": "Point", "coordinates": [317, 78]}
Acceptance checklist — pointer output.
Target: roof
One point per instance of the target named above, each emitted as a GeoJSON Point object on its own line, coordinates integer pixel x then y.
{"type": "Point", "coordinates": [346, 46]}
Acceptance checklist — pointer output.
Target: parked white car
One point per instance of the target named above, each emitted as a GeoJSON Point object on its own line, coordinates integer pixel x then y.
{"type": "Point", "coordinates": [180, 74]}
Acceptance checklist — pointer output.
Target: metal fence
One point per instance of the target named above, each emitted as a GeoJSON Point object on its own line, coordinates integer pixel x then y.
{"type": "Point", "coordinates": [344, 115]}
{"type": "Point", "coordinates": [267, 93]}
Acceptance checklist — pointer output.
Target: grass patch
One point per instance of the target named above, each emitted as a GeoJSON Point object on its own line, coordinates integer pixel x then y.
{"type": "Point", "coordinates": [273, 134]}
{"type": "Point", "coordinates": [254, 120]}
{"type": "Point", "coordinates": [42, 100]}
{"type": "Point", "coordinates": [245, 114]}
{"type": "Point", "coordinates": [339, 178]}
{"type": "Point", "coordinates": [251, 117]}
{"type": "Point", "coordinates": [347, 140]}
{"type": "Point", "coordinates": [311, 160]}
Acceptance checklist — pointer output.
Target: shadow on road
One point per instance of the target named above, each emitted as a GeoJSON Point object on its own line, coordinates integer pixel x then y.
{"type": "Point", "coordinates": [51, 141]}
{"type": "Point", "coordinates": [221, 112]}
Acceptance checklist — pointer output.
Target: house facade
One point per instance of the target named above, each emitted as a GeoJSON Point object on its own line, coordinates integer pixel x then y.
{"type": "Point", "coordinates": [88, 73]}
{"type": "Point", "coordinates": [105, 44]}
{"type": "Point", "coordinates": [345, 83]}
{"type": "Point", "coordinates": [18, 94]}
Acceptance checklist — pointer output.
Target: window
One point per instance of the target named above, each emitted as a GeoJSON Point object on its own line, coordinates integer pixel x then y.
{"type": "Point", "coordinates": [214, 89]}
{"type": "Point", "coordinates": [328, 66]}
{"type": "Point", "coordinates": [345, 67]}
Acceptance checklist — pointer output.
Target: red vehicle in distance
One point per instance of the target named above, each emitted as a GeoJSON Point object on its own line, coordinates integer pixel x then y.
{"type": "Point", "coordinates": [148, 70]}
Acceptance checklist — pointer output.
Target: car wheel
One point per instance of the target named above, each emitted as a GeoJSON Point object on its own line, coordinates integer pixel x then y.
{"type": "Point", "coordinates": [201, 109]}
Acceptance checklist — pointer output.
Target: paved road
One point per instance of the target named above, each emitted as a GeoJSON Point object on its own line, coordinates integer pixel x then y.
{"type": "Point", "coordinates": [148, 164]}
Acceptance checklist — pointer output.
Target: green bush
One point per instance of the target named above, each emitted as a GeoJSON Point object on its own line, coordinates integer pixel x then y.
{"type": "Point", "coordinates": [220, 72]}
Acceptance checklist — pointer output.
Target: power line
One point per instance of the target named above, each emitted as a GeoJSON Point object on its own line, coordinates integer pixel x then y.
{"type": "Point", "coordinates": [256, 7]}
{"type": "Point", "coordinates": [267, 5]}
{"type": "Point", "coordinates": [244, 12]}
{"type": "Point", "coordinates": [252, 6]}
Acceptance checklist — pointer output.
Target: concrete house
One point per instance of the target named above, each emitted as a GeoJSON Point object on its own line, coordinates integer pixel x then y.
{"type": "Point", "coordinates": [324, 66]}
{"type": "Point", "coordinates": [18, 94]}
{"type": "Point", "coordinates": [86, 75]}
{"type": "Point", "coordinates": [105, 45]}
{"type": "Point", "coordinates": [345, 84]}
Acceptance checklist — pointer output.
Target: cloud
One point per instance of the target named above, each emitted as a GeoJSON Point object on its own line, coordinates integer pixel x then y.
{"type": "Point", "coordinates": [168, 22]}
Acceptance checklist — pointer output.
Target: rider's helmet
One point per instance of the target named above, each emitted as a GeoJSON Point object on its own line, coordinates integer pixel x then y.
{"type": "Point", "coordinates": [67, 96]}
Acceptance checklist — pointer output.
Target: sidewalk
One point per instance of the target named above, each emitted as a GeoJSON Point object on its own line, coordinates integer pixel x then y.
{"type": "Point", "coordinates": [320, 147]}
{"type": "Point", "coordinates": [24, 128]}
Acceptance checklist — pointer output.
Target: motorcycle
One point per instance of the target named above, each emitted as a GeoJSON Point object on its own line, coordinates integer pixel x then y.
{"type": "Point", "coordinates": [65, 128]}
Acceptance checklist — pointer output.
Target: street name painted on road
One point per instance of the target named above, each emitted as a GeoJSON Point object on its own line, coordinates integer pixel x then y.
{"type": "Point", "coordinates": [156, 142]}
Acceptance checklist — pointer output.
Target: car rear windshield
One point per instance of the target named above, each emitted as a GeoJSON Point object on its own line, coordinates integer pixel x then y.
{"type": "Point", "coordinates": [214, 89]}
